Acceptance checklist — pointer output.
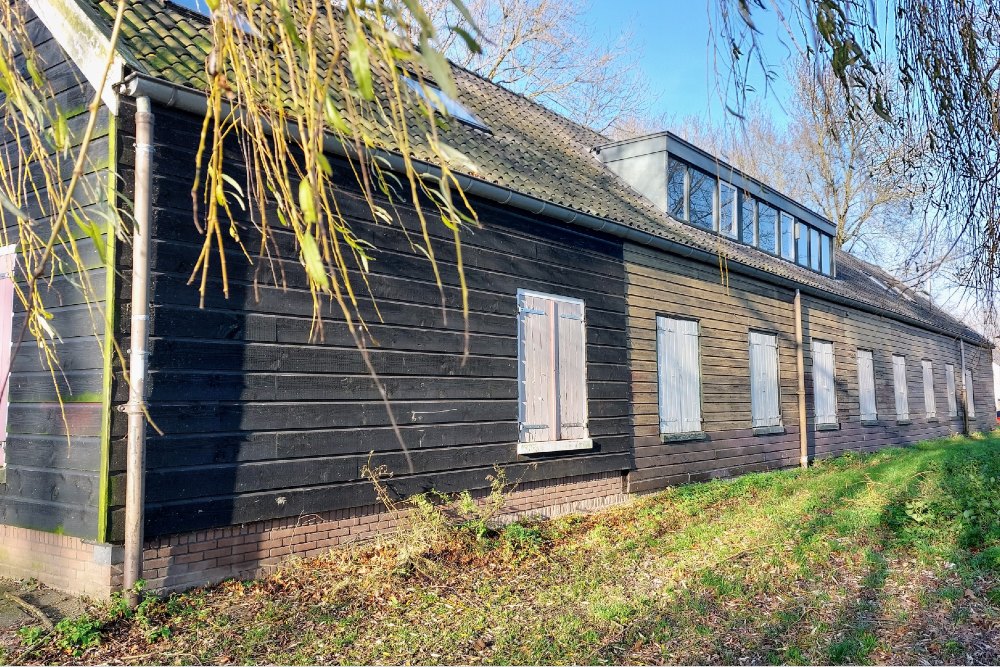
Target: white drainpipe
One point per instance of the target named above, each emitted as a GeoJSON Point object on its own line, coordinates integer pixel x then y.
{"type": "Point", "coordinates": [138, 334]}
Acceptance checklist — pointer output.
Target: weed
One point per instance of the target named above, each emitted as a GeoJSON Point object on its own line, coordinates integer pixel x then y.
{"type": "Point", "coordinates": [75, 635]}
{"type": "Point", "coordinates": [31, 634]}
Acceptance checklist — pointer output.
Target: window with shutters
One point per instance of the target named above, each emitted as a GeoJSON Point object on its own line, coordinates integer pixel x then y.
{"type": "Point", "coordinates": [824, 385]}
{"type": "Point", "coordinates": [949, 379]}
{"type": "Point", "coordinates": [7, 259]}
{"type": "Point", "coordinates": [970, 399]}
{"type": "Point", "coordinates": [552, 373]}
{"type": "Point", "coordinates": [899, 385]}
{"type": "Point", "coordinates": [866, 386]}
{"type": "Point", "coordinates": [930, 404]}
{"type": "Point", "coordinates": [765, 405]}
{"type": "Point", "coordinates": [679, 376]}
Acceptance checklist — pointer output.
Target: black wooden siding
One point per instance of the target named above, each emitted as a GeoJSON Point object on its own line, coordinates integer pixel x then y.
{"type": "Point", "coordinates": [54, 464]}
{"type": "Point", "coordinates": [260, 422]}
{"type": "Point", "coordinates": [662, 284]}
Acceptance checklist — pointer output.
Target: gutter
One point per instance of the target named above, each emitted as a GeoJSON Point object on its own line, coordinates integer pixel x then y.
{"type": "Point", "coordinates": [135, 494]}
{"type": "Point", "coordinates": [194, 101]}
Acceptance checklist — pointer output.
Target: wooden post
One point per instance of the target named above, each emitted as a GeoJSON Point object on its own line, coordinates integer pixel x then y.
{"type": "Point", "coordinates": [800, 365]}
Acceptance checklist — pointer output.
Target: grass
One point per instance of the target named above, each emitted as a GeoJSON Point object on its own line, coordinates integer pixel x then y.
{"type": "Point", "coordinates": [889, 557]}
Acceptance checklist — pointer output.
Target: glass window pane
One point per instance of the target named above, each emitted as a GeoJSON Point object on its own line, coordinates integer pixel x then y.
{"type": "Point", "coordinates": [787, 236]}
{"type": "Point", "coordinates": [814, 246]}
{"type": "Point", "coordinates": [748, 222]}
{"type": "Point", "coordinates": [676, 174]}
{"type": "Point", "coordinates": [827, 254]}
{"type": "Point", "coordinates": [802, 240]}
{"type": "Point", "coordinates": [701, 193]}
{"type": "Point", "coordinates": [729, 219]}
{"type": "Point", "coordinates": [767, 221]}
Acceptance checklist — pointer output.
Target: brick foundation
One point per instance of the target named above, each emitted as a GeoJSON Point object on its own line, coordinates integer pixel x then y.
{"type": "Point", "coordinates": [66, 563]}
{"type": "Point", "coordinates": [182, 561]}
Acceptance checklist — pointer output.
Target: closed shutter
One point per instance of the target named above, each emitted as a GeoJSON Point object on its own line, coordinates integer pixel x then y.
{"type": "Point", "coordinates": [866, 385]}
{"type": "Point", "coordinates": [551, 368]}
{"type": "Point", "coordinates": [930, 405]}
{"type": "Point", "coordinates": [824, 389]}
{"type": "Point", "coordinates": [6, 330]}
{"type": "Point", "coordinates": [764, 403]}
{"type": "Point", "coordinates": [571, 371]}
{"type": "Point", "coordinates": [679, 375]}
{"type": "Point", "coordinates": [970, 398]}
{"type": "Point", "coordinates": [949, 378]}
{"type": "Point", "coordinates": [536, 357]}
{"type": "Point", "coordinates": [899, 384]}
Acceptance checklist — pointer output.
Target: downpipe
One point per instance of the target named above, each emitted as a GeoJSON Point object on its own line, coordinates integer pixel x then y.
{"type": "Point", "coordinates": [138, 334]}
{"type": "Point", "coordinates": [800, 367]}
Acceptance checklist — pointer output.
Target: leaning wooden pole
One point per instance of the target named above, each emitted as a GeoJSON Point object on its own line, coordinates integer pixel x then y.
{"type": "Point", "coordinates": [800, 366]}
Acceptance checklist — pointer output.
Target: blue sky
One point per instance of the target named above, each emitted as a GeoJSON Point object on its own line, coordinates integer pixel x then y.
{"type": "Point", "coordinates": [672, 40]}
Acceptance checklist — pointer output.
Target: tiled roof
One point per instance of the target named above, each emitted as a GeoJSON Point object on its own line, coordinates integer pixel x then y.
{"type": "Point", "coordinates": [529, 149]}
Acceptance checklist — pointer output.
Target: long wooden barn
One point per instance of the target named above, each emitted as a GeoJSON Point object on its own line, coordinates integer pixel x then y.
{"type": "Point", "coordinates": [640, 315]}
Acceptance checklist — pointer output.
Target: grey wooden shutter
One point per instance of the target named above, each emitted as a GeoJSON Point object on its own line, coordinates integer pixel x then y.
{"type": "Point", "coordinates": [899, 384]}
{"type": "Point", "coordinates": [866, 386]}
{"type": "Point", "coordinates": [930, 405]}
{"type": "Point", "coordinates": [970, 398]}
{"type": "Point", "coordinates": [571, 371]}
{"type": "Point", "coordinates": [765, 408]}
{"type": "Point", "coordinates": [536, 360]}
{"type": "Point", "coordinates": [679, 375]}
{"type": "Point", "coordinates": [949, 379]}
{"type": "Point", "coordinates": [824, 390]}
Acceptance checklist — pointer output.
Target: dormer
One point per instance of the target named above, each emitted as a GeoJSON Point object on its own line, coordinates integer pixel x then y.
{"type": "Point", "coordinates": [699, 189]}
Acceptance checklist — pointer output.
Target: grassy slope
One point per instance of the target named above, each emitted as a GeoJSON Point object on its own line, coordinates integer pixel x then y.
{"type": "Point", "coordinates": [892, 557]}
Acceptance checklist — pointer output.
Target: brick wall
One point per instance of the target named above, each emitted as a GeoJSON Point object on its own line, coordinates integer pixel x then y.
{"type": "Point", "coordinates": [186, 560]}
{"type": "Point", "coordinates": [66, 563]}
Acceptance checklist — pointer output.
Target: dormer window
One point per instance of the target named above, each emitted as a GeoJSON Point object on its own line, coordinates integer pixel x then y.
{"type": "Point", "coordinates": [704, 192]}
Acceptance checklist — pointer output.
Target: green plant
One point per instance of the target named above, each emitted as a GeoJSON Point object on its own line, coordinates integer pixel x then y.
{"type": "Point", "coordinates": [31, 634]}
{"type": "Point", "coordinates": [76, 635]}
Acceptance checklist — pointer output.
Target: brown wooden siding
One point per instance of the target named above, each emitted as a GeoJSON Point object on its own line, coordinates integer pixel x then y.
{"type": "Point", "coordinates": [728, 306]}
{"type": "Point", "coordinates": [54, 454]}
{"type": "Point", "coordinates": [260, 422]}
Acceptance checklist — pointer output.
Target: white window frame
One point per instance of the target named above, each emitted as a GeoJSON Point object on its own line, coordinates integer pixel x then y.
{"type": "Point", "coordinates": [820, 348]}
{"type": "Point", "coordinates": [557, 444]}
{"type": "Point", "coordinates": [900, 391]}
{"type": "Point", "coordinates": [949, 377]}
{"type": "Point", "coordinates": [767, 421]}
{"type": "Point", "coordinates": [693, 423]}
{"type": "Point", "coordinates": [733, 231]}
{"type": "Point", "coordinates": [930, 402]}
{"type": "Point", "coordinates": [866, 357]}
{"type": "Point", "coordinates": [970, 398]}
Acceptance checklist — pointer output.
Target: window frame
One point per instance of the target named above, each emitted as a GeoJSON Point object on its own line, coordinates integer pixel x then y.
{"type": "Point", "coordinates": [734, 221]}
{"type": "Point", "coordinates": [782, 217]}
{"type": "Point", "coordinates": [558, 444]}
{"type": "Point", "coordinates": [930, 400]}
{"type": "Point", "coordinates": [764, 429]}
{"type": "Point", "coordinates": [833, 383]}
{"type": "Point", "coordinates": [901, 390]}
{"type": "Point", "coordinates": [683, 434]}
{"type": "Point", "coordinates": [867, 417]}
{"type": "Point", "coordinates": [951, 388]}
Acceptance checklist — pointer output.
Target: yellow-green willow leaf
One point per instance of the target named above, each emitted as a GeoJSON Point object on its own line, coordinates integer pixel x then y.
{"type": "Point", "coordinates": [313, 261]}
{"type": "Point", "coordinates": [439, 68]}
{"type": "Point", "coordinates": [334, 118]}
{"type": "Point", "coordinates": [358, 56]}
{"type": "Point", "coordinates": [306, 202]}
